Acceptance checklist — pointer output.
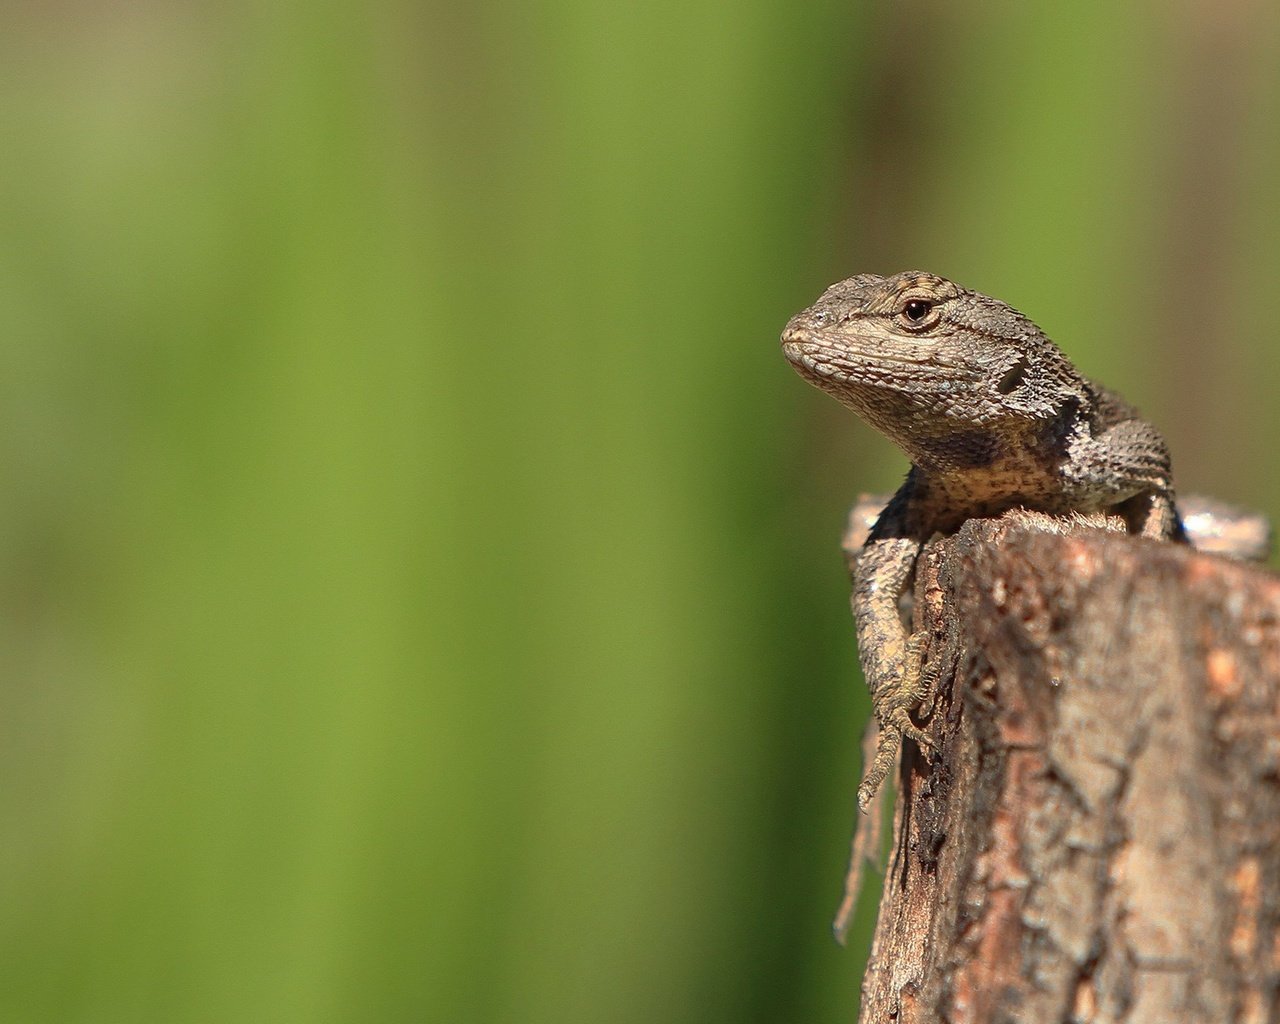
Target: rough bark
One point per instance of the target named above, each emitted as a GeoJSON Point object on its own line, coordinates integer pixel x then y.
{"type": "Point", "coordinates": [1097, 836]}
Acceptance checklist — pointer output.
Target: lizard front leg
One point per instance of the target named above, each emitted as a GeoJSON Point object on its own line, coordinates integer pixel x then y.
{"type": "Point", "coordinates": [891, 658]}
{"type": "Point", "coordinates": [1126, 466]}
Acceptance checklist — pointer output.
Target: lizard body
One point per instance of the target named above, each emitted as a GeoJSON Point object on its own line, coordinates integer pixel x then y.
{"type": "Point", "coordinates": [993, 416]}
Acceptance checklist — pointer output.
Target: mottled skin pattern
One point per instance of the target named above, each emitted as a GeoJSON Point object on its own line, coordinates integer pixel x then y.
{"type": "Point", "coordinates": [993, 417]}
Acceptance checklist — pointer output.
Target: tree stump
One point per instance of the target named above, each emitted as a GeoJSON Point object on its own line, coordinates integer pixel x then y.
{"type": "Point", "coordinates": [1097, 836]}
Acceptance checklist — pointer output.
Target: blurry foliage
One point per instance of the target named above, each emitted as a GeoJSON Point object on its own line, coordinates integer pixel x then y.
{"type": "Point", "coordinates": [419, 567]}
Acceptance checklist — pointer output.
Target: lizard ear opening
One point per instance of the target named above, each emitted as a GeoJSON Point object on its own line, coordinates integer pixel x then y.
{"type": "Point", "coordinates": [1013, 377]}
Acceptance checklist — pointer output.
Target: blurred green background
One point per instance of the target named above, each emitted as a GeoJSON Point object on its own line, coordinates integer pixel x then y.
{"type": "Point", "coordinates": [422, 599]}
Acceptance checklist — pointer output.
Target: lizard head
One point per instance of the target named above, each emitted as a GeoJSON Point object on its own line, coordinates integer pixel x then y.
{"type": "Point", "coordinates": [923, 360]}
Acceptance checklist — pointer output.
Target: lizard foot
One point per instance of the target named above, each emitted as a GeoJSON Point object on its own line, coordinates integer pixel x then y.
{"type": "Point", "coordinates": [886, 755]}
{"type": "Point", "coordinates": [892, 712]}
{"type": "Point", "coordinates": [899, 720]}
{"type": "Point", "coordinates": [895, 725]}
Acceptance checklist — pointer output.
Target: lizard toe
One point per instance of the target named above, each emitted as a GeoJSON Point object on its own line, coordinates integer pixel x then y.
{"type": "Point", "coordinates": [908, 728]}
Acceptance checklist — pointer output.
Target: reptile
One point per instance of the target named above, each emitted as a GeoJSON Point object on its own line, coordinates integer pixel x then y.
{"type": "Point", "coordinates": [993, 416]}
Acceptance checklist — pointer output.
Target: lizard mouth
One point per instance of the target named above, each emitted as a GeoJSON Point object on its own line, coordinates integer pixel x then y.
{"type": "Point", "coordinates": [842, 362]}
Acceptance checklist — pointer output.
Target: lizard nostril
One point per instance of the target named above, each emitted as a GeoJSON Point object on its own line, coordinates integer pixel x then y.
{"type": "Point", "coordinates": [797, 330]}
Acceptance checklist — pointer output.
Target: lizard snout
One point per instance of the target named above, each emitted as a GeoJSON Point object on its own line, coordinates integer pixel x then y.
{"type": "Point", "coordinates": [802, 327]}
{"type": "Point", "coordinates": [793, 335]}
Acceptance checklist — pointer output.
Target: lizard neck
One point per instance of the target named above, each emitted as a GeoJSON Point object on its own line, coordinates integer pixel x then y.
{"type": "Point", "coordinates": [982, 472]}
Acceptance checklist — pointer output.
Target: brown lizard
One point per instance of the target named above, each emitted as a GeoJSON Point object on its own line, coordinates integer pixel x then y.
{"type": "Point", "coordinates": [993, 416]}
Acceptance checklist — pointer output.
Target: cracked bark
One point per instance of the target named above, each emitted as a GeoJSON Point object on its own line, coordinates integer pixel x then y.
{"type": "Point", "coordinates": [1097, 837]}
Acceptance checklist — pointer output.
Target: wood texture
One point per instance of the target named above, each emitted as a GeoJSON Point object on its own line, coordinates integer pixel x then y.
{"type": "Point", "coordinates": [1098, 836]}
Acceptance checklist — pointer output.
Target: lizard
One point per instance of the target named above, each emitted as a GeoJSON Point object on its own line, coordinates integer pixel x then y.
{"type": "Point", "coordinates": [993, 416]}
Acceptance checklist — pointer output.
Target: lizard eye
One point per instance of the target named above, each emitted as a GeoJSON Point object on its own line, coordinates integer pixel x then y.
{"type": "Point", "coordinates": [916, 313]}
{"type": "Point", "coordinates": [916, 309]}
